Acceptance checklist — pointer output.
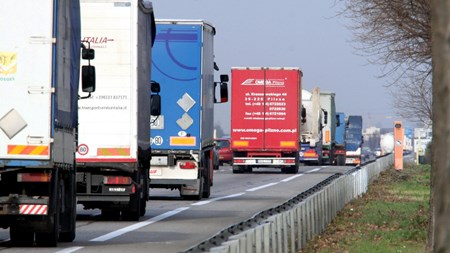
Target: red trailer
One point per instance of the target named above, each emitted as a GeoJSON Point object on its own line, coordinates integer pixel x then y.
{"type": "Point", "coordinates": [265, 122]}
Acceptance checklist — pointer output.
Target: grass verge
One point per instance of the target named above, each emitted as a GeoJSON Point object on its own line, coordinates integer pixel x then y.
{"type": "Point", "coordinates": [391, 217]}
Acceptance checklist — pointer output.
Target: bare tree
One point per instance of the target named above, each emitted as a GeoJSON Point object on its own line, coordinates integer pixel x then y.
{"type": "Point", "coordinates": [440, 173]}
{"type": "Point", "coordinates": [413, 100]}
{"type": "Point", "coordinates": [397, 35]}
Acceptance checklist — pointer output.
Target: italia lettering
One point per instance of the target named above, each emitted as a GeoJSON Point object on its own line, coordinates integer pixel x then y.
{"type": "Point", "coordinates": [97, 40]}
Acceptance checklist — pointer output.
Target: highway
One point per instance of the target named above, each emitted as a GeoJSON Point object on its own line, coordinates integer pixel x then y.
{"type": "Point", "coordinates": [172, 224]}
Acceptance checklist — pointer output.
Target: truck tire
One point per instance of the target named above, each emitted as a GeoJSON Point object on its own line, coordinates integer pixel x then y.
{"type": "Point", "coordinates": [69, 217]}
{"type": "Point", "coordinates": [145, 194]}
{"type": "Point", "coordinates": [131, 215]}
{"type": "Point", "coordinates": [50, 238]}
{"type": "Point", "coordinates": [110, 214]}
{"type": "Point", "coordinates": [21, 237]}
{"type": "Point", "coordinates": [237, 169]}
{"type": "Point", "coordinates": [206, 188]}
{"type": "Point", "coordinates": [248, 169]}
{"type": "Point", "coordinates": [340, 160]}
{"type": "Point", "coordinates": [291, 169]}
{"type": "Point", "coordinates": [143, 206]}
{"type": "Point", "coordinates": [206, 178]}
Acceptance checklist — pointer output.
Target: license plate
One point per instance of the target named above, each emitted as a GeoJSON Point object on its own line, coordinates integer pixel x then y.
{"type": "Point", "coordinates": [265, 161]}
{"type": "Point", "coordinates": [155, 172]}
{"type": "Point", "coordinates": [159, 160]}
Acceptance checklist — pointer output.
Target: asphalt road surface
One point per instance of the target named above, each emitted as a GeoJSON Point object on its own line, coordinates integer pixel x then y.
{"type": "Point", "coordinates": [172, 224]}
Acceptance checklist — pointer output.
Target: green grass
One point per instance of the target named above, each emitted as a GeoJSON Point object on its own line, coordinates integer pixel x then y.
{"type": "Point", "coordinates": [391, 217]}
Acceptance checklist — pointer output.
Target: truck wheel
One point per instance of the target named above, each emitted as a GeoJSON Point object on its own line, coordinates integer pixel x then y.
{"type": "Point", "coordinates": [69, 217]}
{"type": "Point", "coordinates": [237, 169]}
{"type": "Point", "coordinates": [143, 207]}
{"type": "Point", "coordinates": [110, 214]}
{"type": "Point", "coordinates": [145, 192]}
{"type": "Point", "coordinates": [248, 169]}
{"type": "Point", "coordinates": [340, 160]}
{"type": "Point", "coordinates": [50, 239]}
{"type": "Point", "coordinates": [131, 215]}
{"type": "Point", "coordinates": [291, 169]}
{"type": "Point", "coordinates": [206, 187]}
{"type": "Point", "coordinates": [134, 211]}
{"type": "Point", "coordinates": [21, 238]}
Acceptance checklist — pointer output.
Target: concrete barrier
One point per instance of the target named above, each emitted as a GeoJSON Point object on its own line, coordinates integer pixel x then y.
{"type": "Point", "coordinates": [290, 230]}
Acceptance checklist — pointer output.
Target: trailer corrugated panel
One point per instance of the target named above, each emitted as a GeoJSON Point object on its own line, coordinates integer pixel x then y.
{"type": "Point", "coordinates": [37, 82]}
{"type": "Point", "coordinates": [187, 81]}
{"type": "Point", "coordinates": [115, 121]}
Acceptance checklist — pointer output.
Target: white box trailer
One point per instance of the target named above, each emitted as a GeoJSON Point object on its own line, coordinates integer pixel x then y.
{"type": "Point", "coordinates": [39, 72]}
{"type": "Point", "coordinates": [113, 151]}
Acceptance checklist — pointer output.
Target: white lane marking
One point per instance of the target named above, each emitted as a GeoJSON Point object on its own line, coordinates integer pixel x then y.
{"type": "Point", "coordinates": [290, 178]}
{"type": "Point", "coordinates": [69, 250]}
{"type": "Point", "coordinates": [204, 202]}
{"type": "Point", "coordinates": [138, 225]}
{"type": "Point", "coordinates": [261, 187]}
{"type": "Point", "coordinates": [313, 170]}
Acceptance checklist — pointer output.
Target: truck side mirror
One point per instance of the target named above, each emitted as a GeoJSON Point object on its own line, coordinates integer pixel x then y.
{"type": "Point", "coordinates": [223, 93]}
{"type": "Point", "coordinates": [338, 120]}
{"type": "Point", "coordinates": [224, 78]}
{"type": "Point", "coordinates": [325, 117]}
{"type": "Point", "coordinates": [155, 87]}
{"type": "Point", "coordinates": [155, 99]}
{"type": "Point", "coordinates": [155, 105]}
{"type": "Point", "coordinates": [303, 115]}
{"type": "Point", "coordinates": [223, 89]}
{"type": "Point", "coordinates": [88, 54]}
{"type": "Point", "coordinates": [87, 71]}
{"type": "Point", "coordinates": [88, 78]}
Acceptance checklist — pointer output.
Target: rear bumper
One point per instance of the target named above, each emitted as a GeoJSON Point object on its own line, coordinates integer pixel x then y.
{"type": "Point", "coordinates": [171, 183]}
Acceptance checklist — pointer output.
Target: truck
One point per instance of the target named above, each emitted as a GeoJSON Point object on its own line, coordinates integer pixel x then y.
{"type": "Point", "coordinates": [327, 103]}
{"type": "Point", "coordinates": [182, 138]}
{"type": "Point", "coordinates": [354, 139]}
{"type": "Point", "coordinates": [311, 128]}
{"type": "Point", "coordinates": [39, 82]}
{"type": "Point", "coordinates": [113, 156]}
{"type": "Point", "coordinates": [266, 113]}
{"type": "Point", "coordinates": [387, 143]}
{"type": "Point", "coordinates": [339, 147]}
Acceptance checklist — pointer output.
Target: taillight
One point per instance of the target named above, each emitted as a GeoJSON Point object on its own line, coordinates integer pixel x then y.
{"type": "Point", "coordinates": [34, 177]}
{"type": "Point", "coordinates": [290, 161]}
{"type": "Point", "coordinates": [188, 165]}
{"type": "Point", "coordinates": [116, 180]}
{"type": "Point", "coordinates": [239, 160]}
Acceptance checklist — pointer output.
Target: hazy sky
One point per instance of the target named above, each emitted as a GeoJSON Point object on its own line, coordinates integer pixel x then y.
{"type": "Point", "coordinates": [291, 33]}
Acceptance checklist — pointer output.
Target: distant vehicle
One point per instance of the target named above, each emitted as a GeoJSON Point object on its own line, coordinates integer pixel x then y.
{"type": "Point", "coordinates": [353, 139]}
{"type": "Point", "coordinates": [311, 128]}
{"type": "Point", "coordinates": [224, 149]}
{"type": "Point", "coordinates": [367, 155]}
{"type": "Point", "coordinates": [327, 102]}
{"type": "Point", "coordinates": [339, 148]}
{"type": "Point", "coordinates": [387, 143]}
{"type": "Point", "coordinates": [378, 152]}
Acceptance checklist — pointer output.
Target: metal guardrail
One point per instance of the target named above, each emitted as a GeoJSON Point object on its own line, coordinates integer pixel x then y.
{"type": "Point", "coordinates": [288, 227]}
